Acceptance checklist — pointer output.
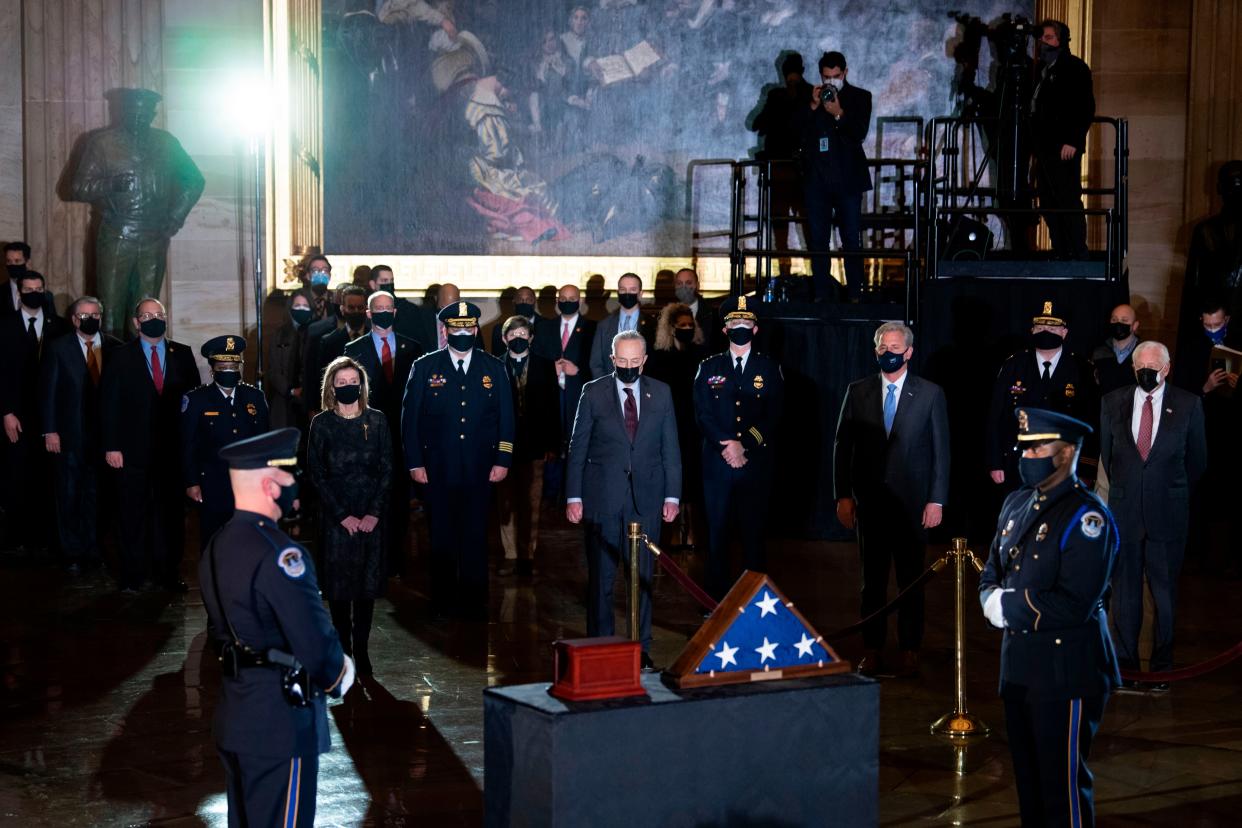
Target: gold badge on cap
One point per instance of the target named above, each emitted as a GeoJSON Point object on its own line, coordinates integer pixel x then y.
{"type": "Point", "coordinates": [461, 309]}
{"type": "Point", "coordinates": [741, 303]}
{"type": "Point", "coordinates": [1047, 309]}
{"type": "Point", "coordinates": [228, 344]}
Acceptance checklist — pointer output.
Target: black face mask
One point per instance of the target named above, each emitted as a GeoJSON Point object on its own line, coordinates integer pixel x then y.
{"type": "Point", "coordinates": [301, 316]}
{"type": "Point", "coordinates": [684, 335]}
{"type": "Point", "coordinates": [384, 286]}
{"type": "Point", "coordinates": [1148, 379]}
{"type": "Point", "coordinates": [347, 394]}
{"type": "Point", "coordinates": [1120, 331]}
{"type": "Point", "coordinates": [33, 300]}
{"type": "Point", "coordinates": [627, 300]}
{"type": "Point", "coordinates": [626, 375]}
{"type": "Point", "coordinates": [89, 325]}
{"type": "Point", "coordinates": [524, 309]}
{"type": "Point", "coordinates": [890, 362]}
{"type": "Point", "coordinates": [288, 494]}
{"type": "Point", "coordinates": [15, 271]}
{"type": "Point", "coordinates": [1049, 54]}
{"type": "Point", "coordinates": [227, 379]}
{"type": "Point", "coordinates": [461, 342]}
{"type": "Point", "coordinates": [741, 335]}
{"type": "Point", "coordinates": [1035, 470]}
{"type": "Point", "coordinates": [1047, 340]}
{"type": "Point", "coordinates": [567, 308]}
{"type": "Point", "coordinates": [153, 328]}
{"type": "Point", "coordinates": [355, 320]}
{"type": "Point", "coordinates": [382, 319]}
{"type": "Point", "coordinates": [518, 345]}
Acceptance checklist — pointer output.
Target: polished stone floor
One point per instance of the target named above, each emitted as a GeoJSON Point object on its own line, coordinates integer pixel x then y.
{"type": "Point", "coordinates": [107, 703]}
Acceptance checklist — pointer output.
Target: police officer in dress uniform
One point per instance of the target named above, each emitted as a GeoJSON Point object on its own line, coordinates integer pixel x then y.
{"type": "Point", "coordinates": [457, 427]}
{"type": "Point", "coordinates": [738, 396]}
{"type": "Point", "coordinates": [1046, 376]}
{"type": "Point", "coordinates": [279, 654]}
{"type": "Point", "coordinates": [212, 416]}
{"type": "Point", "coordinates": [1045, 585]}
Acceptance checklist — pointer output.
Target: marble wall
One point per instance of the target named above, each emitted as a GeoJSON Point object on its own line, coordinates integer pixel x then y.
{"type": "Point", "coordinates": [1141, 63]}
{"type": "Point", "coordinates": [12, 219]}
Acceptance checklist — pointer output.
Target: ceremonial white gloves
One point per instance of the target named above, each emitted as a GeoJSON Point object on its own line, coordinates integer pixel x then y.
{"type": "Point", "coordinates": [348, 681]}
{"type": "Point", "coordinates": [992, 608]}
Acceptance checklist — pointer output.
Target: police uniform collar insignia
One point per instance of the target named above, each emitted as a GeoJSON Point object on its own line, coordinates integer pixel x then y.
{"type": "Point", "coordinates": [1092, 525]}
{"type": "Point", "coordinates": [290, 561]}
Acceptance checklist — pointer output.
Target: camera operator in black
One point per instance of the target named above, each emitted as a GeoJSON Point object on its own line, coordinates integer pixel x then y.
{"type": "Point", "coordinates": [279, 653]}
{"type": "Point", "coordinates": [1062, 107]}
{"type": "Point", "coordinates": [833, 128]}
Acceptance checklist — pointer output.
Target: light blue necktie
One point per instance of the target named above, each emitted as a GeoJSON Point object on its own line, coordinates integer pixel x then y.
{"type": "Point", "coordinates": [890, 408]}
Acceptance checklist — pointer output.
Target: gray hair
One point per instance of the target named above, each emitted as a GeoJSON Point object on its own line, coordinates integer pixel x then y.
{"type": "Point", "coordinates": [84, 300]}
{"type": "Point", "coordinates": [371, 299]}
{"type": "Point", "coordinates": [1152, 345]}
{"type": "Point", "coordinates": [894, 327]}
{"type": "Point", "coordinates": [626, 336]}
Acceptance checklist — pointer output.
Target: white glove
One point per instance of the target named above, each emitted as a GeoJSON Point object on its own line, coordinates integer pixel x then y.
{"type": "Point", "coordinates": [992, 608]}
{"type": "Point", "coordinates": [348, 681]}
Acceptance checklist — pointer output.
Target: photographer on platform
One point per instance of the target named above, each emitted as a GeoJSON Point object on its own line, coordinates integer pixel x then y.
{"type": "Point", "coordinates": [1062, 107]}
{"type": "Point", "coordinates": [833, 128]}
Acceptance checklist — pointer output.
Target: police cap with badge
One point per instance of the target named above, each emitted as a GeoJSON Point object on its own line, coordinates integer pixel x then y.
{"type": "Point", "coordinates": [1038, 425]}
{"type": "Point", "coordinates": [460, 315]}
{"type": "Point", "coordinates": [1046, 316]}
{"type": "Point", "coordinates": [224, 350]}
{"type": "Point", "coordinates": [278, 449]}
{"type": "Point", "coordinates": [739, 307]}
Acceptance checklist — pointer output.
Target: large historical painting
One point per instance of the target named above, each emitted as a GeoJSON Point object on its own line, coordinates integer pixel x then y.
{"type": "Point", "coordinates": [553, 128]}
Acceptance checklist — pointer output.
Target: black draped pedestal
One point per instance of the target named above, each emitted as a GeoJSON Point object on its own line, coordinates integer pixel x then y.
{"type": "Point", "coordinates": [782, 753]}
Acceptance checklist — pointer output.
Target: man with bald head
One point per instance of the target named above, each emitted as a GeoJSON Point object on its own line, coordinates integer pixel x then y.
{"type": "Point", "coordinates": [434, 336]}
{"type": "Point", "coordinates": [524, 306]}
{"type": "Point", "coordinates": [1114, 359]}
{"type": "Point", "coordinates": [140, 402]}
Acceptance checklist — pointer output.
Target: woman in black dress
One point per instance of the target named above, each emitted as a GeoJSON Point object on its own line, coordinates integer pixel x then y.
{"type": "Point", "coordinates": [349, 458]}
{"type": "Point", "coordinates": [679, 348]}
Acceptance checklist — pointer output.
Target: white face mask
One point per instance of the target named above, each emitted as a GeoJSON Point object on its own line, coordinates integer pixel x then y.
{"type": "Point", "coordinates": [836, 83]}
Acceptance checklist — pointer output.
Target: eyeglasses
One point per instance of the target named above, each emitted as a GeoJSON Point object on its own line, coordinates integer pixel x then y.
{"type": "Point", "coordinates": [82, 316]}
{"type": "Point", "coordinates": [147, 317]}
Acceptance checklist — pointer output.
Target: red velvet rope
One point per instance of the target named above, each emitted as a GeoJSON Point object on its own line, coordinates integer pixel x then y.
{"type": "Point", "coordinates": [1193, 671]}
{"type": "Point", "coordinates": [679, 575]}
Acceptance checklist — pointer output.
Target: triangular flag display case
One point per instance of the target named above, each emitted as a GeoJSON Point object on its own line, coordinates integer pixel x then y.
{"type": "Point", "coordinates": [755, 634]}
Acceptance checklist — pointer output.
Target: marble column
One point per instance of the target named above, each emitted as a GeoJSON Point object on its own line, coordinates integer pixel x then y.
{"type": "Point", "coordinates": [1214, 125]}
{"type": "Point", "coordinates": [12, 219]}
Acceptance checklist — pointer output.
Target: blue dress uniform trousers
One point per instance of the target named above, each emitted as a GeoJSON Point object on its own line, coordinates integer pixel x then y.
{"type": "Point", "coordinates": [1049, 742]}
{"type": "Point", "coordinates": [278, 792]}
{"type": "Point", "coordinates": [607, 550]}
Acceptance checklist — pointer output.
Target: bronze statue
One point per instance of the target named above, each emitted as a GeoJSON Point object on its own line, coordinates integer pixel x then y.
{"type": "Point", "coordinates": [144, 185]}
{"type": "Point", "coordinates": [1214, 262]}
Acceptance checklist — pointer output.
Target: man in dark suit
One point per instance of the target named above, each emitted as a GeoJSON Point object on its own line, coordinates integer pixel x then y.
{"type": "Point", "coordinates": [891, 477]}
{"type": "Point", "coordinates": [1045, 376]}
{"type": "Point", "coordinates": [1062, 107]}
{"type": "Point", "coordinates": [212, 417]}
{"type": "Point", "coordinates": [833, 127]}
{"type": "Point", "coordinates": [1153, 447]}
{"type": "Point", "coordinates": [69, 404]}
{"type": "Point", "coordinates": [628, 317]}
{"type": "Point", "coordinates": [532, 379]}
{"type": "Point", "coordinates": [524, 306]}
{"type": "Point", "coordinates": [142, 388]}
{"type": "Point", "coordinates": [388, 357]}
{"type": "Point", "coordinates": [777, 124]}
{"type": "Point", "coordinates": [24, 337]}
{"type": "Point", "coordinates": [624, 466]}
{"type": "Point", "coordinates": [1114, 358]}
{"type": "Point", "coordinates": [332, 344]}
{"type": "Point", "coordinates": [738, 398]}
{"type": "Point", "coordinates": [409, 315]}
{"type": "Point", "coordinates": [17, 262]}
{"type": "Point", "coordinates": [568, 344]}
{"type": "Point", "coordinates": [1044, 585]}
{"type": "Point", "coordinates": [457, 429]}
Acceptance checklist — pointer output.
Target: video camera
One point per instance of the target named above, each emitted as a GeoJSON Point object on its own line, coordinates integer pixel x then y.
{"type": "Point", "coordinates": [1010, 35]}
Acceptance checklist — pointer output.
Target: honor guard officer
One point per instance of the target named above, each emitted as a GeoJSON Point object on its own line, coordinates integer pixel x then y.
{"type": "Point", "coordinates": [279, 654]}
{"type": "Point", "coordinates": [1044, 585]}
{"type": "Point", "coordinates": [457, 426]}
{"type": "Point", "coordinates": [212, 416]}
{"type": "Point", "coordinates": [738, 396]}
{"type": "Point", "coordinates": [1046, 376]}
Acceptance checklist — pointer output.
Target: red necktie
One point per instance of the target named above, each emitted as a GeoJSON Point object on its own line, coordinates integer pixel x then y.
{"type": "Point", "coordinates": [157, 373]}
{"type": "Point", "coordinates": [564, 336]}
{"type": "Point", "coordinates": [1145, 425]}
{"type": "Point", "coordinates": [386, 360]}
{"type": "Point", "coordinates": [631, 414]}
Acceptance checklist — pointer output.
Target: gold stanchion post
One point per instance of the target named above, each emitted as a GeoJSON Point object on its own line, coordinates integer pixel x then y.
{"type": "Point", "coordinates": [960, 727]}
{"type": "Point", "coordinates": [636, 539]}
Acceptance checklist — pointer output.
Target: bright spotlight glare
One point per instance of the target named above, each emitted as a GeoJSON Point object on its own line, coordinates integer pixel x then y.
{"type": "Point", "coordinates": [246, 105]}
